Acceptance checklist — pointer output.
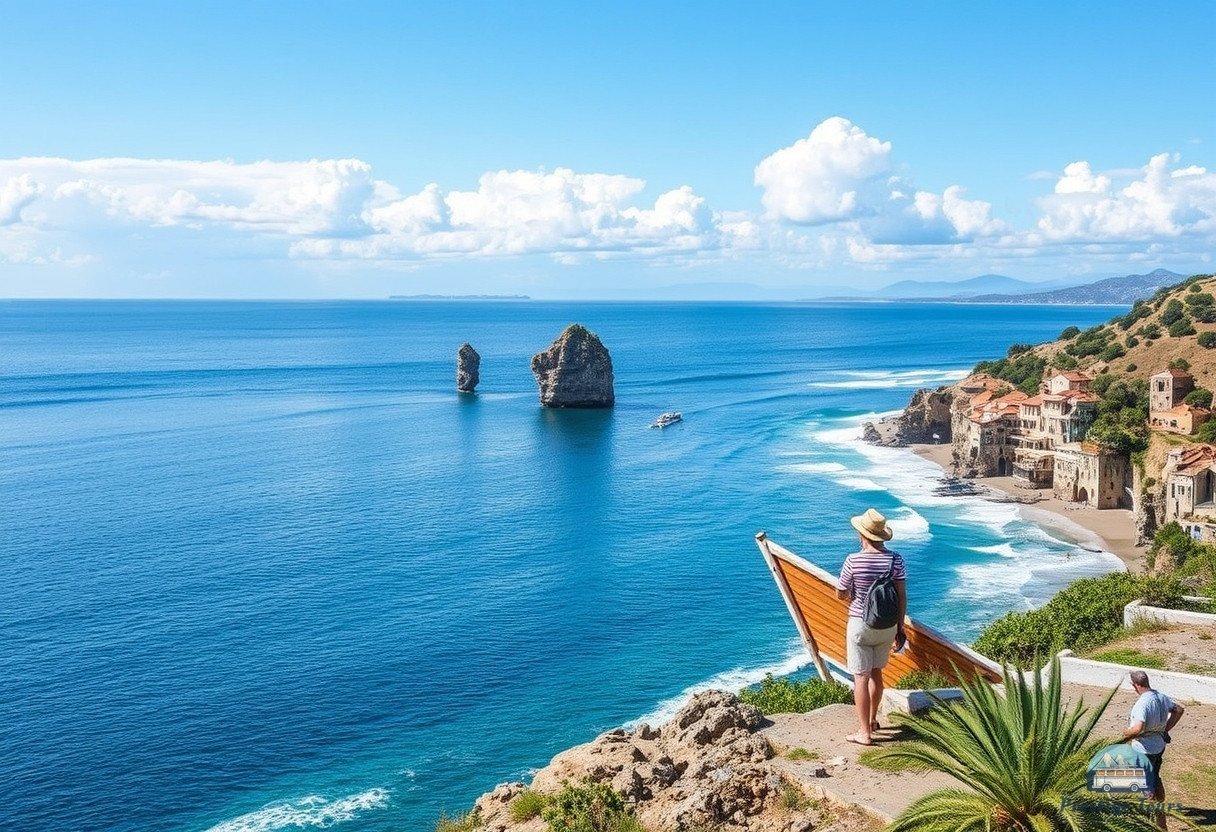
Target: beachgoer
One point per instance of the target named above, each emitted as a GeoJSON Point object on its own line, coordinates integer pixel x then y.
{"type": "Point", "coordinates": [869, 649]}
{"type": "Point", "coordinates": [1152, 717]}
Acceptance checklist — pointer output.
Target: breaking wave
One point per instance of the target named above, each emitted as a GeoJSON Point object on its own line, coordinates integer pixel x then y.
{"type": "Point", "coordinates": [311, 811]}
{"type": "Point", "coordinates": [882, 379]}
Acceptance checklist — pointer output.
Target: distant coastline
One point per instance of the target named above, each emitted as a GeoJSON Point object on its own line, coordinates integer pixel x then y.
{"type": "Point", "coordinates": [459, 297]}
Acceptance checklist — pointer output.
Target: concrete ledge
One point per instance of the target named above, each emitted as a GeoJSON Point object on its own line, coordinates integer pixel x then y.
{"type": "Point", "coordinates": [1138, 611]}
{"type": "Point", "coordinates": [1187, 687]}
{"type": "Point", "coordinates": [917, 701]}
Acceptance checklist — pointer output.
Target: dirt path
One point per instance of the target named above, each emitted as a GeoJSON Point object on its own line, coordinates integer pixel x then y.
{"type": "Point", "coordinates": [1187, 649]}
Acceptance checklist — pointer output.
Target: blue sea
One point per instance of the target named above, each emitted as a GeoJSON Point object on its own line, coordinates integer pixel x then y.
{"type": "Point", "coordinates": [262, 568]}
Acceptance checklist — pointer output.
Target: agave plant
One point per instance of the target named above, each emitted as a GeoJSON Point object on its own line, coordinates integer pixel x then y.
{"type": "Point", "coordinates": [1021, 758]}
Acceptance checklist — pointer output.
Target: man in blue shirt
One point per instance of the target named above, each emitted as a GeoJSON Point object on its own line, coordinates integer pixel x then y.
{"type": "Point", "coordinates": [1153, 715]}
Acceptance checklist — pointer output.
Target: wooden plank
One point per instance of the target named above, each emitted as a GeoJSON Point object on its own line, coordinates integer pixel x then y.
{"type": "Point", "coordinates": [822, 619]}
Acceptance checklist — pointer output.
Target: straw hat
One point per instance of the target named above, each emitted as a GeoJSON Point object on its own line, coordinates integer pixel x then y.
{"type": "Point", "coordinates": [872, 525]}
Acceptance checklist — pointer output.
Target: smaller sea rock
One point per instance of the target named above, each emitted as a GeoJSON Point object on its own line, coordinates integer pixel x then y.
{"type": "Point", "coordinates": [468, 367]}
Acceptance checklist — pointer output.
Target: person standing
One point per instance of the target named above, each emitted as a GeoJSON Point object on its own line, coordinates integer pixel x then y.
{"type": "Point", "coordinates": [1152, 717]}
{"type": "Point", "coordinates": [869, 648]}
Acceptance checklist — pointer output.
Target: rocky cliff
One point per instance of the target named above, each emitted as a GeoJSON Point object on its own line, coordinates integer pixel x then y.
{"type": "Point", "coordinates": [575, 371]}
{"type": "Point", "coordinates": [926, 420]}
{"type": "Point", "coordinates": [705, 769]}
{"type": "Point", "coordinates": [468, 368]}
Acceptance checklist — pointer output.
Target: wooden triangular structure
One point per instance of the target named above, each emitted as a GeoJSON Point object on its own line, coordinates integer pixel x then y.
{"type": "Point", "coordinates": [822, 619]}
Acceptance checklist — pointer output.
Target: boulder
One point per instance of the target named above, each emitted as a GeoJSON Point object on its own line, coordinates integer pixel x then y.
{"type": "Point", "coordinates": [575, 371]}
{"type": "Point", "coordinates": [468, 366]}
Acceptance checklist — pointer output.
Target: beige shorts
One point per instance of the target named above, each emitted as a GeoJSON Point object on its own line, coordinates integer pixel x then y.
{"type": "Point", "coordinates": [868, 649]}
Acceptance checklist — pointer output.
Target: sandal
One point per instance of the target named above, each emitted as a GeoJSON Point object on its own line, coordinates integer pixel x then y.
{"type": "Point", "coordinates": [857, 739]}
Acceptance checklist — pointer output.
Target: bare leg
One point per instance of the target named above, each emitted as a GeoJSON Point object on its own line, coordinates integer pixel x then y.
{"type": "Point", "coordinates": [1159, 796]}
{"type": "Point", "coordinates": [861, 698]}
{"type": "Point", "coordinates": [876, 688]}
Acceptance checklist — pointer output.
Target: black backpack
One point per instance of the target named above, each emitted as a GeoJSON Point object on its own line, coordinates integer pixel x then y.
{"type": "Point", "coordinates": [882, 601]}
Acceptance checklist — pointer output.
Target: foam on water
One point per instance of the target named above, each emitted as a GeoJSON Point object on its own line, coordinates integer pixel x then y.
{"type": "Point", "coordinates": [908, 524]}
{"type": "Point", "coordinates": [738, 678]}
{"type": "Point", "coordinates": [311, 811]}
{"type": "Point", "coordinates": [859, 484]}
{"type": "Point", "coordinates": [883, 379]}
{"type": "Point", "coordinates": [814, 468]}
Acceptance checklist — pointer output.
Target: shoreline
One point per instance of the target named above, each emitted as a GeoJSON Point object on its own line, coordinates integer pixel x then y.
{"type": "Point", "coordinates": [1115, 529]}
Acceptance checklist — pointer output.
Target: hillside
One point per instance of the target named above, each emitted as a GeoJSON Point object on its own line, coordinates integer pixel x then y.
{"type": "Point", "coordinates": [1113, 290]}
{"type": "Point", "coordinates": [985, 283]}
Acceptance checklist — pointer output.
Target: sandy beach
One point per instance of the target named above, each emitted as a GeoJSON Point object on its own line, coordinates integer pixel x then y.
{"type": "Point", "coordinates": [1115, 527]}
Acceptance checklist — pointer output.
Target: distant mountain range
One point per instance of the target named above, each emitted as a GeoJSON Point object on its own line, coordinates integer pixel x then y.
{"type": "Point", "coordinates": [997, 288]}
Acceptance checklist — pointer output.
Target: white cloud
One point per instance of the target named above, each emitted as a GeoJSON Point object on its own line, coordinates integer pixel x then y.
{"type": "Point", "coordinates": [15, 194]}
{"type": "Point", "coordinates": [1159, 202]}
{"type": "Point", "coordinates": [817, 179]}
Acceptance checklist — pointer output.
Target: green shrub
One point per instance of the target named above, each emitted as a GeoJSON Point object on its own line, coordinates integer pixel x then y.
{"type": "Point", "coordinates": [1064, 361]}
{"type": "Point", "coordinates": [801, 754]}
{"type": "Point", "coordinates": [528, 805]}
{"type": "Point", "coordinates": [1172, 541]}
{"type": "Point", "coordinates": [1069, 333]}
{"type": "Point", "coordinates": [1173, 312]}
{"type": "Point", "coordinates": [924, 680]}
{"type": "Point", "coordinates": [1084, 614]}
{"type": "Point", "coordinates": [1131, 368]}
{"type": "Point", "coordinates": [1023, 372]}
{"type": "Point", "coordinates": [1164, 591]}
{"type": "Point", "coordinates": [1112, 352]}
{"type": "Point", "coordinates": [588, 807]}
{"type": "Point", "coordinates": [1149, 332]}
{"type": "Point", "coordinates": [1199, 397]}
{"type": "Point", "coordinates": [1182, 328]}
{"type": "Point", "coordinates": [467, 822]}
{"type": "Point", "coordinates": [1131, 341]}
{"type": "Point", "coordinates": [785, 696]}
{"type": "Point", "coordinates": [1207, 340]}
{"type": "Point", "coordinates": [1198, 299]}
{"type": "Point", "coordinates": [1017, 349]}
{"type": "Point", "coordinates": [1180, 364]}
{"type": "Point", "coordinates": [1131, 656]}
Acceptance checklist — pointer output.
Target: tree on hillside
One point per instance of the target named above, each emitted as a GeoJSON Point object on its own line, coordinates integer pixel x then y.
{"type": "Point", "coordinates": [1018, 758]}
{"type": "Point", "coordinates": [1173, 312]}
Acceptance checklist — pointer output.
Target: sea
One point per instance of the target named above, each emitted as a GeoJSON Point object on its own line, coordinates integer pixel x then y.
{"type": "Point", "coordinates": [263, 568]}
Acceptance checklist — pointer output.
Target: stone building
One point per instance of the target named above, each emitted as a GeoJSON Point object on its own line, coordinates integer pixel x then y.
{"type": "Point", "coordinates": [1190, 490]}
{"type": "Point", "coordinates": [1087, 473]}
{"type": "Point", "coordinates": [1183, 419]}
{"type": "Point", "coordinates": [1168, 388]}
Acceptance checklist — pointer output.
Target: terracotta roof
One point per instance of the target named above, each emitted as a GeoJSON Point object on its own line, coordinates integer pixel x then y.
{"type": "Point", "coordinates": [1195, 459]}
{"type": "Point", "coordinates": [1080, 395]}
{"type": "Point", "coordinates": [1174, 373]}
{"type": "Point", "coordinates": [1034, 401]}
{"type": "Point", "coordinates": [981, 398]}
{"type": "Point", "coordinates": [1015, 396]}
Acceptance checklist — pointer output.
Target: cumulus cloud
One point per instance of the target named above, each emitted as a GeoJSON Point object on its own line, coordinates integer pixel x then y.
{"type": "Point", "coordinates": [15, 194]}
{"type": "Point", "coordinates": [1162, 201]}
{"type": "Point", "coordinates": [817, 179]}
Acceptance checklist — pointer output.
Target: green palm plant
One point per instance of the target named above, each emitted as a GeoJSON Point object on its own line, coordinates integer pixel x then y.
{"type": "Point", "coordinates": [1021, 757]}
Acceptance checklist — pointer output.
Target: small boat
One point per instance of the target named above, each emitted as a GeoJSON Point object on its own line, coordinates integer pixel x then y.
{"type": "Point", "coordinates": [669, 418]}
{"type": "Point", "coordinates": [821, 619]}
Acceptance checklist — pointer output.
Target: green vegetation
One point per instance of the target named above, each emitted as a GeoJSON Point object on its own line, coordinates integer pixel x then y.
{"type": "Point", "coordinates": [1064, 361]}
{"type": "Point", "coordinates": [467, 822]}
{"type": "Point", "coordinates": [1130, 656]}
{"type": "Point", "coordinates": [785, 696]}
{"type": "Point", "coordinates": [1140, 310]}
{"type": "Point", "coordinates": [1202, 306]}
{"type": "Point", "coordinates": [1024, 372]}
{"type": "Point", "coordinates": [1131, 341]}
{"type": "Point", "coordinates": [1091, 342]}
{"type": "Point", "coordinates": [588, 807]}
{"type": "Point", "coordinates": [1182, 328]}
{"type": "Point", "coordinates": [1173, 312]}
{"type": "Point", "coordinates": [880, 760]}
{"type": "Point", "coordinates": [801, 754]}
{"type": "Point", "coordinates": [1207, 340]}
{"type": "Point", "coordinates": [793, 798]}
{"type": "Point", "coordinates": [1149, 332]}
{"type": "Point", "coordinates": [527, 806]}
{"type": "Point", "coordinates": [1199, 397]}
{"type": "Point", "coordinates": [1122, 414]}
{"type": "Point", "coordinates": [924, 680]}
{"type": "Point", "coordinates": [1014, 756]}
{"type": "Point", "coordinates": [1131, 368]}
{"type": "Point", "coordinates": [1180, 364]}
{"type": "Point", "coordinates": [1086, 614]}
{"type": "Point", "coordinates": [1069, 333]}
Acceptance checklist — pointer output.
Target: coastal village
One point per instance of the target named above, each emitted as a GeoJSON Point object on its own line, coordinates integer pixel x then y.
{"type": "Point", "coordinates": [1115, 417]}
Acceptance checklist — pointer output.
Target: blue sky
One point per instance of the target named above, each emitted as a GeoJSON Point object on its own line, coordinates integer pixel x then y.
{"type": "Point", "coordinates": [614, 150]}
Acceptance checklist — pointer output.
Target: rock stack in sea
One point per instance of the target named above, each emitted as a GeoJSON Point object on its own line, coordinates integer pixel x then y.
{"type": "Point", "coordinates": [575, 371]}
{"type": "Point", "coordinates": [468, 366]}
{"type": "Point", "coordinates": [925, 421]}
{"type": "Point", "coordinates": [705, 769]}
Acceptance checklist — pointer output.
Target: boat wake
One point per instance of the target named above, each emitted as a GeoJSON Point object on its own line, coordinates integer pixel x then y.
{"type": "Point", "coordinates": [310, 811]}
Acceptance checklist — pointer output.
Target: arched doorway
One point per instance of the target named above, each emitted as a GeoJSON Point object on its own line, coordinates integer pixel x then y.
{"type": "Point", "coordinates": [1082, 496]}
{"type": "Point", "coordinates": [1002, 467]}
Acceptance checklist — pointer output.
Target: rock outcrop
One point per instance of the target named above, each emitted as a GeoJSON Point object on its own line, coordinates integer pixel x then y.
{"type": "Point", "coordinates": [575, 371]}
{"type": "Point", "coordinates": [926, 420]}
{"type": "Point", "coordinates": [468, 368]}
{"type": "Point", "coordinates": [706, 769]}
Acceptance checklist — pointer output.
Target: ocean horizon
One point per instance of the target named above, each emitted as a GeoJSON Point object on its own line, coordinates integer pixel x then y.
{"type": "Point", "coordinates": [265, 569]}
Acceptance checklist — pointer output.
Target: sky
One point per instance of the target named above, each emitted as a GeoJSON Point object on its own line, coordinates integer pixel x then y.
{"type": "Point", "coordinates": [598, 150]}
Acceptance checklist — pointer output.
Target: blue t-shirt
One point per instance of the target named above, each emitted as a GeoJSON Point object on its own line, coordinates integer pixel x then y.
{"type": "Point", "coordinates": [1153, 709]}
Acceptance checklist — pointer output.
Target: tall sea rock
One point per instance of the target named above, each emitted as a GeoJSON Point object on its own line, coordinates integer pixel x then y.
{"type": "Point", "coordinates": [575, 371]}
{"type": "Point", "coordinates": [926, 420]}
{"type": "Point", "coordinates": [468, 368]}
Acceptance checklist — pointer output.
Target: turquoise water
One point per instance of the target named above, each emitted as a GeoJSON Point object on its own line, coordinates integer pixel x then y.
{"type": "Point", "coordinates": [262, 568]}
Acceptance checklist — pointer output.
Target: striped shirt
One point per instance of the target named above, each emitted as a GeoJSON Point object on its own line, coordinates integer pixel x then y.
{"type": "Point", "coordinates": [861, 570]}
